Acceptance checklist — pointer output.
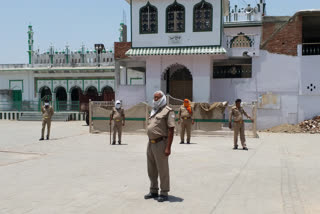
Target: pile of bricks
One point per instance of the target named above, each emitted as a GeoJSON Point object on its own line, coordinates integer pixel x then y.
{"type": "Point", "coordinates": [311, 126]}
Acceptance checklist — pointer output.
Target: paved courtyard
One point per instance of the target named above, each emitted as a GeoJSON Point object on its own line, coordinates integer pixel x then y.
{"type": "Point", "coordinates": [77, 172]}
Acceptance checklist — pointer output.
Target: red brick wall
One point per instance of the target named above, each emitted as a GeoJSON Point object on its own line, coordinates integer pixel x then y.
{"type": "Point", "coordinates": [120, 49]}
{"type": "Point", "coordinates": [284, 41]}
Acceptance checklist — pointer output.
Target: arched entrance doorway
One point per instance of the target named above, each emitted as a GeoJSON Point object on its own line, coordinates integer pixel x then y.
{"type": "Point", "coordinates": [45, 93]}
{"type": "Point", "coordinates": [61, 99]}
{"type": "Point", "coordinates": [108, 93]}
{"type": "Point", "coordinates": [75, 94]}
{"type": "Point", "coordinates": [178, 82]}
{"type": "Point", "coordinates": [92, 91]}
{"type": "Point", "coordinates": [75, 98]}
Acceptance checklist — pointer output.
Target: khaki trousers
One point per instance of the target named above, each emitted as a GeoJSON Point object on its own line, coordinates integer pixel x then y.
{"type": "Point", "coordinates": [44, 123]}
{"type": "Point", "coordinates": [239, 128]}
{"type": "Point", "coordinates": [117, 127]}
{"type": "Point", "coordinates": [158, 165]}
{"type": "Point", "coordinates": [186, 126]}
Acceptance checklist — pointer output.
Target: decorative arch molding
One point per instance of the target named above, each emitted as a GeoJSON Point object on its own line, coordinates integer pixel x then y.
{"type": "Point", "coordinates": [43, 83]}
{"type": "Point", "coordinates": [75, 83]}
{"type": "Point", "coordinates": [241, 41]}
{"type": "Point", "coordinates": [106, 82]}
{"type": "Point", "coordinates": [174, 68]}
{"type": "Point", "coordinates": [44, 87]}
{"type": "Point", "coordinates": [88, 83]}
{"type": "Point", "coordinates": [60, 83]}
{"type": "Point", "coordinates": [68, 84]}
{"type": "Point", "coordinates": [108, 88]}
{"type": "Point", "coordinates": [75, 87]}
{"type": "Point", "coordinates": [90, 86]}
{"type": "Point", "coordinates": [59, 86]}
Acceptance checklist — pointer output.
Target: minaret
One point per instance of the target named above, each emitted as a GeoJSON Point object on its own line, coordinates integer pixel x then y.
{"type": "Point", "coordinates": [82, 53]}
{"type": "Point", "coordinates": [30, 44]}
{"type": "Point", "coordinates": [51, 53]}
{"type": "Point", "coordinates": [263, 7]}
{"type": "Point", "coordinates": [67, 53]}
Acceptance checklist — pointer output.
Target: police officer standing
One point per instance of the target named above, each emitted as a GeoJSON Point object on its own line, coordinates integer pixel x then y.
{"type": "Point", "coordinates": [186, 119]}
{"type": "Point", "coordinates": [47, 113]}
{"type": "Point", "coordinates": [118, 117]}
{"type": "Point", "coordinates": [237, 113]}
{"type": "Point", "coordinates": [160, 131]}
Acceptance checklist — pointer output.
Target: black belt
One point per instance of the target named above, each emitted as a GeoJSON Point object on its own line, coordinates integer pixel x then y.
{"type": "Point", "coordinates": [157, 140]}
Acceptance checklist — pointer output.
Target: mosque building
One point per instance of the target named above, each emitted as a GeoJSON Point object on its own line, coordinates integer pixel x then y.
{"type": "Point", "coordinates": [210, 50]}
{"type": "Point", "coordinates": [204, 50]}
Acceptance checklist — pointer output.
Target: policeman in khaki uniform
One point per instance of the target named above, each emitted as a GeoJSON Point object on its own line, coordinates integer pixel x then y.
{"type": "Point", "coordinates": [47, 113]}
{"type": "Point", "coordinates": [118, 117]}
{"type": "Point", "coordinates": [237, 113]}
{"type": "Point", "coordinates": [186, 119]}
{"type": "Point", "coordinates": [160, 131]}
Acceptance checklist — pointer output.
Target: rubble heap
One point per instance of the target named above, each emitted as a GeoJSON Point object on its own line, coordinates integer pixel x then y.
{"type": "Point", "coordinates": [311, 126]}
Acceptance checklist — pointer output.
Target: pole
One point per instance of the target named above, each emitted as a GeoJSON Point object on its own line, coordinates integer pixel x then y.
{"type": "Point", "coordinates": [254, 112]}
{"type": "Point", "coordinates": [90, 116]}
{"type": "Point", "coordinates": [110, 131]}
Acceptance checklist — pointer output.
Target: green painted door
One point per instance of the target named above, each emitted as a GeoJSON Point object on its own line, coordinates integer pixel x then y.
{"type": "Point", "coordinates": [17, 99]}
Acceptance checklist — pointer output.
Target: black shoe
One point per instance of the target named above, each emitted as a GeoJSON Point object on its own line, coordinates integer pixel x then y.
{"type": "Point", "coordinates": [113, 143]}
{"type": "Point", "coordinates": [245, 148]}
{"type": "Point", "coordinates": [119, 142]}
{"type": "Point", "coordinates": [41, 138]}
{"type": "Point", "coordinates": [181, 142]}
{"type": "Point", "coordinates": [188, 142]}
{"type": "Point", "coordinates": [151, 195]}
{"type": "Point", "coordinates": [162, 198]}
{"type": "Point", "coordinates": [47, 138]}
{"type": "Point", "coordinates": [235, 147]}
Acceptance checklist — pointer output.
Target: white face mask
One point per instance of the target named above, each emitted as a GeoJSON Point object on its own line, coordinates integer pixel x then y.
{"type": "Point", "coordinates": [159, 103]}
{"type": "Point", "coordinates": [118, 105]}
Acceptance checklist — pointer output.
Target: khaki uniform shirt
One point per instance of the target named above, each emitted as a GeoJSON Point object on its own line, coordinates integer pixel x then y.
{"type": "Point", "coordinates": [47, 113]}
{"type": "Point", "coordinates": [237, 114]}
{"type": "Point", "coordinates": [117, 114]}
{"type": "Point", "coordinates": [183, 112]}
{"type": "Point", "coordinates": [159, 123]}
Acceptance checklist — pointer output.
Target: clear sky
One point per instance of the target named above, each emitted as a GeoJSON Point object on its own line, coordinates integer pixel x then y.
{"type": "Point", "coordinates": [78, 22]}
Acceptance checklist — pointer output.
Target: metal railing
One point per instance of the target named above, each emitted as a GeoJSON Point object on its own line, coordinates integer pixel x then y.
{"type": "Point", "coordinates": [310, 49]}
{"type": "Point", "coordinates": [36, 106]}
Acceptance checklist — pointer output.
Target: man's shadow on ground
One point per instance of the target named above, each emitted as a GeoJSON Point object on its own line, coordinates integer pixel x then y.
{"type": "Point", "coordinates": [173, 199]}
{"type": "Point", "coordinates": [187, 143]}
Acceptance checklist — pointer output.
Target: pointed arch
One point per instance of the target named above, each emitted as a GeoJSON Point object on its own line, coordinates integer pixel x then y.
{"type": "Point", "coordinates": [202, 16]}
{"type": "Point", "coordinates": [175, 18]}
{"type": "Point", "coordinates": [178, 81]}
{"type": "Point", "coordinates": [148, 19]}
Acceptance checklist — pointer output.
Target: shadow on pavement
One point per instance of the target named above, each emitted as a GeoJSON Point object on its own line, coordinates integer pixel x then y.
{"type": "Point", "coordinates": [173, 199]}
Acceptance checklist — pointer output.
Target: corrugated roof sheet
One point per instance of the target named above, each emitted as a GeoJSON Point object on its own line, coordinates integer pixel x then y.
{"type": "Point", "coordinates": [176, 51]}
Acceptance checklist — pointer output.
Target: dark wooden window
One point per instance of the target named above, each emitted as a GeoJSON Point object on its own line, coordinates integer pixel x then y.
{"type": "Point", "coordinates": [175, 18]}
{"type": "Point", "coordinates": [202, 17]}
{"type": "Point", "coordinates": [148, 19]}
{"type": "Point", "coordinates": [233, 68]}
